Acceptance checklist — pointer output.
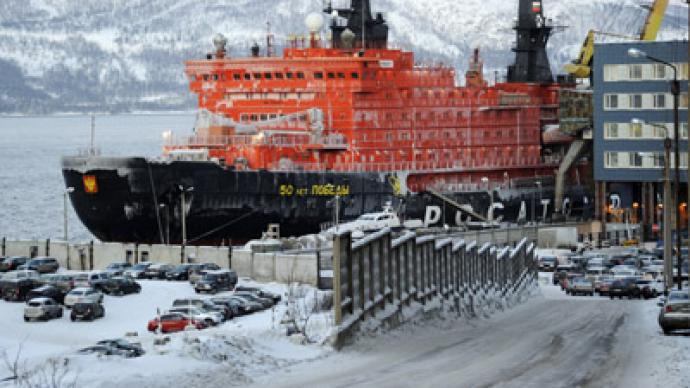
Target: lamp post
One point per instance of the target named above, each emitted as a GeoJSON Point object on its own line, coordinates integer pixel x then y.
{"type": "Point", "coordinates": [675, 90]}
{"type": "Point", "coordinates": [65, 197]}
{"type": "Point", "coordinates": [668, 204]}
{"type": "Point", "coordinates": [183, 216]}
{"type": "Point", "coordinates": [489, 214]}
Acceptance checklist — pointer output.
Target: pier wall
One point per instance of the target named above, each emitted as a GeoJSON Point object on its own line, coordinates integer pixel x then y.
{"type": "Point", "coordinates": [264, 267]}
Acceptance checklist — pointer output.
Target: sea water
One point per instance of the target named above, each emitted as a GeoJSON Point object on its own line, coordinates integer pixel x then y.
{"type": "Point", "coordinates": [31, 184]}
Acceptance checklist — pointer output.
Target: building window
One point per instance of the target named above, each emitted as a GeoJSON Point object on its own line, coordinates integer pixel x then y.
{"type": "Point", "coordinates": [660, 101]}
{"type": "Point", "coordinates": [611, 159]}
{"type": "Point", "coordinates": [635, 72]}
{"type": "Point", "coordinates": [684, 130]}
{"type": "Point", "coordinates": [635, 159]}
{"type": "Point", "coordinates": [636, 130]}
{"type": "Point", "coordinates": [683, 100]}
{"type": "Point", "coordinates": [635, 101]}
{"type": "Point", "coordinates": [659, 71]}
{"type": "Point", "coordinates": [611, 101]}
{"type": "Point", "coordinates": [611, 130]}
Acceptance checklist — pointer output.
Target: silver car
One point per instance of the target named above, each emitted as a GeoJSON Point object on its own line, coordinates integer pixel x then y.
{"type": "Point", "coordinates": [82, 294]}
{"type": "Point", "coordinates": [42, 308]}
{"type": "Point", "coordinates": [675, 314]}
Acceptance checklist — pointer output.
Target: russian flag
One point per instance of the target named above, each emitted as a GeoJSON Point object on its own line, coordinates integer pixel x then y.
{"type": "Point", "coordinates": [536, 6]}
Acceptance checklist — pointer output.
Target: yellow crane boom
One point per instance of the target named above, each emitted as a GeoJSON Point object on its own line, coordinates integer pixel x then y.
{"type": "Point", "coordinates": [582, 66]}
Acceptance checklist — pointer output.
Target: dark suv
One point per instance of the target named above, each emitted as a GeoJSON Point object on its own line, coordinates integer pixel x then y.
{"type": "Point", "coordinates": [87, 311]}
{"type": "Point", "coordinates": [11, 263]}
{"type": "Point", "coordinates": [624, 287]}
{"type": "Point", "coordinates": [214, 281]}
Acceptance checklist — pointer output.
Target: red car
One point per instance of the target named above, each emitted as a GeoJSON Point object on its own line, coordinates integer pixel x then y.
{"type": "Point", "coordinates": [172, 322]}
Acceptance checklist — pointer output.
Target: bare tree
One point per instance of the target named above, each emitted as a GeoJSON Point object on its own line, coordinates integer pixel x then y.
{"type": "Point", "coordinates": [53, 373]}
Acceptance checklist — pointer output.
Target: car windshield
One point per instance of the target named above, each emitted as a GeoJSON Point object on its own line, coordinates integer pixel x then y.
{"type": "Point", "coordinates": [182, 267]}
{"type": "Point", "coordinates": [140, 266]}
{"type": "Point", "coordinates": [548, 259]}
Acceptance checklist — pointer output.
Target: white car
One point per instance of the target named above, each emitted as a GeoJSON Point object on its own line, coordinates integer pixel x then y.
{"type": "Point", "coordinates": [211, 318]}
{"type": "Point", "coordinates": [89, 279]}
{"type": "Point", "coordinates": [21, 274]}
{"type": "Point", "coordinates": [42, 308]}
{"type": "Point", "coordinates": [82, 294]}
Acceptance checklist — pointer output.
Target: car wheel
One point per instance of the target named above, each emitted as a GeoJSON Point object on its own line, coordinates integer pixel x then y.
{"type": "Point", "coordinates": [26, 319]}
{"type": "Point", "coordinates": [72, 318]}
{"type": "Point", "coordinates": [209, 322]}
{"type": "Point", "coordinates": [666, 331]}
{"type": "Point", "coordinates": [611, 296]}
{"type": "Point", "coordinates": [120, 293]}
{"type": "Point", "coordinates": [59, 314]}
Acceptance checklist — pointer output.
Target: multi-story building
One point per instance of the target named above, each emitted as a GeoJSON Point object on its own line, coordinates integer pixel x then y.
{"type": "Point", "coordinates": [633, 113]}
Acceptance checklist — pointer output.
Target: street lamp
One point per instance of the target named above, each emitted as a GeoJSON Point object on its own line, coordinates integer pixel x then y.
{"type": "Point", "coordinates": [183, 215]}
{"type": "Point", "coordinates": [675, 90]}
{"type": "Point", "coordinates": [668, 204]}
{"type": "Point", "coordinates": [489, 214]}
{"type": "Point", "coordinates": [65, 195]}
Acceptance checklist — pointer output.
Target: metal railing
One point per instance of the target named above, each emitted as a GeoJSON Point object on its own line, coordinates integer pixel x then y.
{"type": "Point", "coordinates": [379, 273]}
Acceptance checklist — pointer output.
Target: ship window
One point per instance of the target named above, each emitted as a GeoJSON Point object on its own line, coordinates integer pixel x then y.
{"type": "Point", "coordinates": [236, 77]}
{"type": "Point", "coordinates": [244, 117]}
{"type": "Point", "coordinates": [341, 75]}
{"type": "Point", "coordinates": [272, 116]}
{"type": "Point", "coordinates": [288, 75]}
{"type": "Point", "coordinates": [264, 117]}
{"type": "Point", "coordinates": [268, 75]}
{"type": "Point", "coordinates": [331, 75]}
{"type": "Point", "coordinates": [247, 76]}
{"type": "Point", "coordinates": [300, 75]}
{"type": "Point", "coordinates": [355, 75]}
{"type": "Point", "coordinates": [215, 77]}
{"type": "Point", "coordinates": [318, 75]}
{"type": "Point", "coordinates": [205, 77]}
{"type": "Point", "coordinates": [257, 75]}
{"type": "Point", "coordinates": [279, 75]}
{"type": "Point", "coordinates": [253, 117]}
{"type": "Point", "coordinates": [389, 116]}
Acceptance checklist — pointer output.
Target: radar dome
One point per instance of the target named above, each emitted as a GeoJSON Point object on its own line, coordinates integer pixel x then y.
{"type": "Point", "coordinates": [314, 22]}
{"type": "Point", "coordinates": [219, 42]}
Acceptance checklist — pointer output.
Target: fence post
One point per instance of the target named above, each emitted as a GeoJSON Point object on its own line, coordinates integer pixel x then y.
{"type": "Point", "coordinates": [337, 289]}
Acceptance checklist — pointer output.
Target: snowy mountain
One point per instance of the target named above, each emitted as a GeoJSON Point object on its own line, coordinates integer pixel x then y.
{"type": "Point", "coordinates": [122, 55]}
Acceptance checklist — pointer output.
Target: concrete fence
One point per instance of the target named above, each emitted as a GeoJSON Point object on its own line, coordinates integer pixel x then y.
{"type": "Point", "coordinates": [377, 277]}
{"type": "Point", "coordinates": [264, 267]}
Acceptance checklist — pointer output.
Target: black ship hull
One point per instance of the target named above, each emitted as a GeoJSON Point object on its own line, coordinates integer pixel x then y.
{"type": "Point", "coordinates": [139, 200]}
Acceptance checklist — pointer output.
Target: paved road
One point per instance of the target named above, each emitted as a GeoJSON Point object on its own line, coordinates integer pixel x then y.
{"type": "Point", "coordinates": [551, 341]}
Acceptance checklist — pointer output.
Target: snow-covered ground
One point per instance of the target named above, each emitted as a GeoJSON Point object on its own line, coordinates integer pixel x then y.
{"type": "Point", "coordinates": [551, 340]}
{"type": "Point", "coordinates": [237, 350]}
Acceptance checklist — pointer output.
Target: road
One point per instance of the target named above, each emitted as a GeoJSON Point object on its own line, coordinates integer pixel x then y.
{"type": "Point", "coordinates": [552, 340]}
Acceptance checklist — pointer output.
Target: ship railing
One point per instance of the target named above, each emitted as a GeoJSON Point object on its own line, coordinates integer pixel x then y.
{"type": "Point", "coordinates": [454, 165]}
{"type": "Point", "coordinates": [88, 151]}
{"type": "Point", "coordinates": [277, 140]}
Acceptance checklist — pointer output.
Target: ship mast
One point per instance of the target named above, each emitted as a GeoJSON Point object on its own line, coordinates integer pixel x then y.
{"type": "Point", "coordinates": [370, 31]}
{"type": "Point", "coordinates": [533, 32]}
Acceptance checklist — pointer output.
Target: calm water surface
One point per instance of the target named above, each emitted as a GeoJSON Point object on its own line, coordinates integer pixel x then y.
{"type": "Point", "coordinates": [31, 184]}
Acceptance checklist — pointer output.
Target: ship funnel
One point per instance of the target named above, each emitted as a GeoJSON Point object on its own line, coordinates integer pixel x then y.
{"type": "Point", "coordinates": [255, 49]}
{"type": "Point", "coordinates": [219, 42]}
{"type": "Point", "coordinates": [348, 38]}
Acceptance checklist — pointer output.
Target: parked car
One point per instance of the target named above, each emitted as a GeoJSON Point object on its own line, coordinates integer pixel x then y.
{"type": "Point", "coordinates": [132, 349]}
{"type": "Point", "coordinates": [603, 285]}
{"type": "Point", "coordinates": [120, 286]}
{"type": "Point", "coordinates": [650, 288]}
{"type": "Point", "coordinates": [104, 350]}
{"type": "Point", "coordinates": [91, 279]}
{"type": "Point", "coordinates": [47, 291]}
{"type": "Point", "coordinates": [41, 265]}
{"type": "Point", "coordinates": [237, 306]}
{"type": "Point", "coordinates": [157, 271]}
{"type": "Point", "coordinates": [265, 302]}
{"type": "Point", "coordinates": [87, 311]}
{"type": "Point", "coordinates": [11, 263]}
{"type": "Point", "coordinates": [42, 308]}
{"type": "Point", "coordinates": [558, 276]}
{"type": "Point", "coordinates": [261, 293]}
{"type": "Point", "coordinates": [582, 286]}
{"type": "Point", "coordinates": [210, 318]}
{"type": "Point", "coordinates": [180, 272]}
{"type": "Point", "coordinates": [547, 263]}
{"type": "Point", "coordinates": [204, 305]}
{"type": "Point", "coordinates": [675, 314]}
{"type": "Point", "coordinates": [137, 270]}
{"type": "Point", "coordinates": [214, 281]}
{"type": "Point", "coordinates": [172, 322]}
{"type": "Point", "coordinates": [624, 287]}
{"type": "Point", "coordinates": [198, 272]}
{"type": "Point", "coordinates": [82, 295]}
{"type": "Point", "coordinates": [117, 269]}
{"type": "Point", "coordinates": [16, 285]}
{"type": "Point", "coordinates": [65, 282]}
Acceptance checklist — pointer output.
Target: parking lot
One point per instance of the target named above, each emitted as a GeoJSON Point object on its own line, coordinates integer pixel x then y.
{"type": "Point", "coordinates": [256, 342]}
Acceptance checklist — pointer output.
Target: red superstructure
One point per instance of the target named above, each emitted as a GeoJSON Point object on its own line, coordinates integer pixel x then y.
{"type": "Point", "coordinates": [350, 108]}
